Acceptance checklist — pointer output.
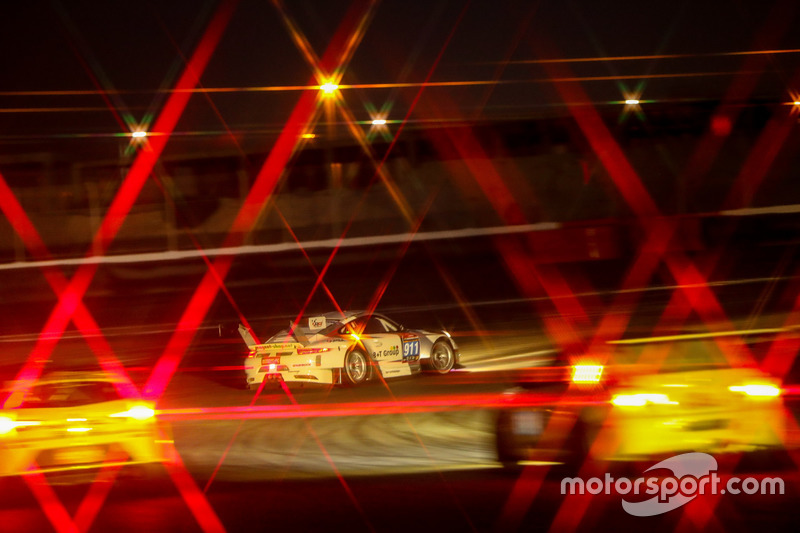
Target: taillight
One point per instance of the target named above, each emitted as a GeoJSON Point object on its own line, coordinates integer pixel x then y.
{"type": "Point", "coordinates": [586, 373]}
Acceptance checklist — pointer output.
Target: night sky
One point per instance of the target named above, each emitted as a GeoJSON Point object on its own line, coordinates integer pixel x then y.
{"type": "Point", "coordinates": [135, 51]}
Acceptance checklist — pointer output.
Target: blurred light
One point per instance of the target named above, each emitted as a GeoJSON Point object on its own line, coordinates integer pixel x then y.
{"type": "Point", "coordinates": [356, 337]}
{"type": "Point", "coordinates": [632, 101]}
{"type": "Point", "coordinates": [379, 122]}
{"type": "Point", "coordinates": [328, 87]}
{"type": "Point", "coordinates": [139, 134]}
{"type": "Point", "coordinates": [757, 390]}
{"type": "Point", "coordinates": [308, 136]}
{"type": "Point", "coordinates": [78, 430]}
{"type": "Point", "coordinates": [639, 400]}
{"type": "Point", "coordinates": [139, 412]}
{"type": "Point", "coordinates": [7, 425]}
{"type": "Point", "coordinates": [448, 334]}
{"type": "Point", "coordinates": [586, 373]}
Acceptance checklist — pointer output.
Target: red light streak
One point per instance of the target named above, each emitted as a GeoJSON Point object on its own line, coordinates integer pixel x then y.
{"type": "Point", "coordinates": [71, 293]}
{"type": "Point", "coordinates": [53, 508]}
{"type": "Point", "coordinates": [698, 295]}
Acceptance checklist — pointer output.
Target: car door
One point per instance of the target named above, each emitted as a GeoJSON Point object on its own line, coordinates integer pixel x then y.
{"type": "Point", "coordinates": [383, 345]}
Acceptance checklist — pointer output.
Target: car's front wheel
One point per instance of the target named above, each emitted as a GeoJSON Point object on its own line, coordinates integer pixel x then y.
{"type": "Point", "coordinates": [442, 359]}
{"type": "Point", "coordinates": [356, 368]}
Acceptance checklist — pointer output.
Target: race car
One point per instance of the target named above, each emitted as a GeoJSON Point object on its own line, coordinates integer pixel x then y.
{"type": "Point", "coordinates": [650, 399]}
{"type": "Point", "coordinates": [347, 349]}
{"type": "Point", "coordinates": [70, 422]}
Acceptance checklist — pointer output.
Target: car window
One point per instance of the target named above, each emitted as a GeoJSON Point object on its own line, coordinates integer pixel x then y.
{"type": "Point", "coordinates": [679, 356]}
{"type": "Point", "coordinates": [390, 326]}
{"type": "Point", "coordinates": [70, 394]}
{"type": "Point", "coordinates": [354, 326]}
{"type": "Point", "coordinates": [374, 327]}
{"type": "Point", "coordinates": [367, 326]}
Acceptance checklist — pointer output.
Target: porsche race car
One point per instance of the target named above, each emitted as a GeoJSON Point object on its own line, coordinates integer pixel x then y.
{"type": "Point", "coordinates": [347, 349]}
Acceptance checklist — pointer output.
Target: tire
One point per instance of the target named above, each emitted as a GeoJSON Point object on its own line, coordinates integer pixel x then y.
{"type": "Point", "coordinates": [356, 368]}
{"type": "Point", "coordinates": [576, 450]}
{"type": "Point", "coordinates": [442, 359]}
{"type": "Point", "coordinates": [506, 448]}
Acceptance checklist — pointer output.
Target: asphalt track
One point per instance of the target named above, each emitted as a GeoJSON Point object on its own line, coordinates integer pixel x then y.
{"type": "Point", "coordinates": [416, 453]}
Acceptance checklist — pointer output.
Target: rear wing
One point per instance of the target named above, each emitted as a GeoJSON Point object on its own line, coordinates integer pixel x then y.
{"type": "Point", "coordinates": [247, 337]}
{"type": "Point", "coordinates": [291, 335]}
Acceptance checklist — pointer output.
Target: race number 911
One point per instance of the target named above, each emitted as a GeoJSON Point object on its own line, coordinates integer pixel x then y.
{"type": "Point", "coordinates": [411, 348]}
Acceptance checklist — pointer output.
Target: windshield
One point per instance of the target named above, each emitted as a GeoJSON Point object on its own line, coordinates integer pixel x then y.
{"type": "Point", "coordinates": [70, 394]}
{"type": "Point", "coordinates": [679, 356]}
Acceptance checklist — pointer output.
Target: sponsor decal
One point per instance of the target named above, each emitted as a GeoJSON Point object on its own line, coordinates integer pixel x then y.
{"type": "Point", "coordinates": [393, 351]}
{"type": "Point", "coordinates": [317, 322]}
{"type": "Point", "coordinates": [410, 348]}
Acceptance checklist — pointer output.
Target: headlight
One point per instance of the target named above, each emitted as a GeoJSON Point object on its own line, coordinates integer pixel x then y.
{"type": "Point", "coordinates": [640, 400]}
{"type": "Point", "coordinates": [138, 412]}
{"type": "Point", "coordinates": [757, 390]}
{"type": "Point", "coordinates": [7, 424]}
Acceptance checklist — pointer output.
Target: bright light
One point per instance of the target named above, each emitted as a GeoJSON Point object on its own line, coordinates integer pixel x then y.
{"type": "Point", "coordinates": [308, 136]}
{"type": "Point", "coordinates": [7, 425]}
{"type": "Point", "coordinates": [139, 412]}
{"type": "Point", "coordinates": [586, 373]}
{"type": "Point", "coordinates": [328, 87]}
{"type": "Point", "coordinates": [797, 102]}
{"type": "Point", "coordinates": [379, 122]}
{"type": "Point", "coordinates": [139, 134]}
{"type": "Point", "coordinates": [757, 390]}
{"type": "Point", "coordinates": [78, 430]}
{"type": "Point", "coordinates": [356, 337]}
{"type": "Point", "coordinates": [632, 101]}
{"type": "Point", "coordinates": [639, 400]}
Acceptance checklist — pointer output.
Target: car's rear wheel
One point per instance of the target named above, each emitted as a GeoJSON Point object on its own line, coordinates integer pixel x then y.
{"type": "Point", "coordinates": [442, 358]}
{"type": "Point", "coordinates": [356, 368]}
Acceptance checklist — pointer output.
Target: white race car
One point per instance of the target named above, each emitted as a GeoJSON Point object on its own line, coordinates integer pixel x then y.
{"type": "Point", "coordinates": [347, 349]}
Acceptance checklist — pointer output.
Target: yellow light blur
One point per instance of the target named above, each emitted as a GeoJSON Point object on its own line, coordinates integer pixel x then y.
{"type": "Point", "coordinates": [328, 87]}
{"type": "Point", "coordinates": [586, 373]}
{"type": "Point", "coordinates": [139, 412]}
{"type": "Point", "coordinates": [631, 101]}
{"type": "Point", "coordinates": [379, 122]}
{"type": "Point", "coordinates": [640, 400]}
{"type": "Point", "coordinates": [757, 390]}
{"type": "Point", "coordinates": [308, 136]}
{"type": "Point", "coordinates": [139, 134]}
{"type": "Point", "coordinates": [356, 336]}
{"type": "Point", "coordinates": [78, 430]}
{"type": "Point", "coordinates": [7, 425]}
